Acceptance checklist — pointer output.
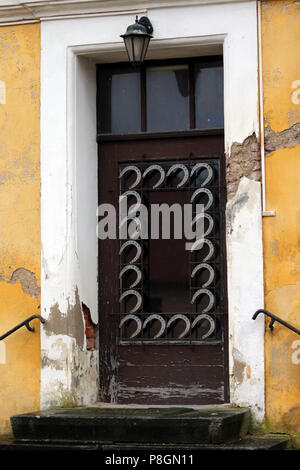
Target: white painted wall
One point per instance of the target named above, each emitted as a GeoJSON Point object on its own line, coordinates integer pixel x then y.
{"type": "Point", "coordinates": [86, 181]}
{"type": "Point", "coordinates": [69, 156]}
{"type": "Point", "coordinates": [245, 287]}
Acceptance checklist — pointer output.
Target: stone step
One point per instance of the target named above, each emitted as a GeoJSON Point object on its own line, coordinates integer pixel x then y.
{"type": "Point", "coordinates": [139, 425]}
{"type": "Point", "coordinates": [147, 451]}
{"type": "Point", "coordinates": [265, 442]}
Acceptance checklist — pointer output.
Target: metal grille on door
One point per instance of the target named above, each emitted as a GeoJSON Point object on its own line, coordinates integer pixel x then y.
{"type": "Point", "coordinates": [200, 321]}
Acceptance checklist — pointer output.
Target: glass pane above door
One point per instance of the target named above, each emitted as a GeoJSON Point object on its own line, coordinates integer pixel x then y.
{"type": "Point", "coordinates": [119, 100]}
{"type": "Point", "coordinates": [209, 97]}
{"type": "Point", "coordinates": [167, 98]}
{"type": "Point", "coordinates": [160, 96]}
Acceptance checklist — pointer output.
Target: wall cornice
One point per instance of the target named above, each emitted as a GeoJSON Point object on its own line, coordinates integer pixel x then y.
{"type": "Point", "coordinates": [16, 11]}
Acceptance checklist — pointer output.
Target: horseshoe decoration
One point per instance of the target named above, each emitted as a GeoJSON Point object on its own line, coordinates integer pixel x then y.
{"type": "Point", "coordinates": [134, 208]}
{"type": "Point", "coordinates": [161, 171]}
{"type": "Point", "coordinates": [209, 294]}
{"type": "Point", "coordinates": [179, 166]}
{"type": "Point", "coordinates": [160, 319]}
{"type": "Point", "coordinates": [208, 168]}
{"type": "Point", "coordinates": [210, 220]}
{"type": "Point", "coordinates": [209, 194]}
{"type": "Point", "coordinates": [179, 316]}
{"type": "Point", "coordinates": [138, 229]}
{"type": "Point", "coordinates": [137, 295]}
{"type": "Point", "coordinates": [138, 323]}
{"type": "Point", "coordinates": [203, 241]}
{"type": "Point", "coordinates": [134, 268]}
{"type": "Point", "coordinates": [211, 322]}
{"type": "Point", "coordinates": [138, 250]}
{"type": "Point", "coordinates": [136, 170]}
{"type": "Point", "coordinates": [209, 268]}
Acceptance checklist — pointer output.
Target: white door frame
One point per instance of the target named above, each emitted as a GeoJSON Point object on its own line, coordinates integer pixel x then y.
{"type": "Point", "coordinates": [70, 50]}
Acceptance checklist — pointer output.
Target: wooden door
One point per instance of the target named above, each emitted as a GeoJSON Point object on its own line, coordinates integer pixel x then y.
{"type": "Point", "coordinates": [163, 307]}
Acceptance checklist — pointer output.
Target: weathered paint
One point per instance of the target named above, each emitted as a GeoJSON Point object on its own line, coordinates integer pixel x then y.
{"type": "Point", "coordinates": [69, 187]}
{"type": "Point", "coordinates": [20, 218]}
{"type": "Point", "coordinates": [246, 362]}
{"type": "Point", "coordinates": [281, 65]}
{"type": "Point", "coordinates": [243, 160]}
{"type": "Point", "coordinates": [70, 372]}
{"type": "Point", "coordinates": [69, 183]}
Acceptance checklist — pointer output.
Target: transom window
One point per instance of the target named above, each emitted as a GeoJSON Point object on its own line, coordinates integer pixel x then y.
{"type": "Point", "coordinates": [179, 96]}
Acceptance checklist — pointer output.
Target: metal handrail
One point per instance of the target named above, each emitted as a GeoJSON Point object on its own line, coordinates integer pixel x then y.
{"type": "Point", "coordinates": [274, 318]}
{"type": "Point", "coordinates": [24, 323]}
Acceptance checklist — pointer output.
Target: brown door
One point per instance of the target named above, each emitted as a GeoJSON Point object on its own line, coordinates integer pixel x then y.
{"type": "Point", "coordinates": [162, 307]}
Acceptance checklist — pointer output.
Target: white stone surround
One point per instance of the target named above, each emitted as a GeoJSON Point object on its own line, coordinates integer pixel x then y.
{"type": "Point", "coordinates": [70, 49]}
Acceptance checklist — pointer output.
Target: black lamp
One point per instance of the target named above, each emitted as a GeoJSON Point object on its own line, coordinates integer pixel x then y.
{"type": "Point", "coordinates": [137, 38]}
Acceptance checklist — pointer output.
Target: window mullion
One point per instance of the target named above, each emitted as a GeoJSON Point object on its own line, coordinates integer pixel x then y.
{"type": "Point", "coordinates": [192, 95]}
{"type": "Point", "coordinates": [143, 100]}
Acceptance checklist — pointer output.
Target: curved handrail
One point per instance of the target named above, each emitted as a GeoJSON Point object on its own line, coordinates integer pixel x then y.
{"type": "Point", "coordinates": [274, 318]}
{"type": "Point", "coordinates": [24, 323]}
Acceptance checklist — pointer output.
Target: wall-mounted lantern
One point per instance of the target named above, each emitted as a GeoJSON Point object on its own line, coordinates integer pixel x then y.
{"type": "Point", "coordinates": [137, 38]}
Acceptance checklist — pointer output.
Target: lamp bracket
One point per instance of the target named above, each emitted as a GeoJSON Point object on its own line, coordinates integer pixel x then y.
{"type": "Point", "coordinates": [144, 21]}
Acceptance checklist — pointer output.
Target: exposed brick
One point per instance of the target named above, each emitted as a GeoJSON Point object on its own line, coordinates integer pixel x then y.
{"type": "Point", "coordinates": [90, 344]}
{"type": "Point", "coordinates": [91, 329]}
{"type": "Point", "coordinates": [244, 160]}
{"type": "Point", "coordinates": [89, 332]}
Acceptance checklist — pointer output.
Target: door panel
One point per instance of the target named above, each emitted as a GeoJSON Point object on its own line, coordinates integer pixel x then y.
{"type": "Point", "coordinates": [176, 358]}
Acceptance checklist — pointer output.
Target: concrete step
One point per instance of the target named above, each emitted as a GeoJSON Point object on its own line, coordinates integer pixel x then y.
{"type": "Point", "coordinates": [138, 425]}
{"type": "Point", "coordinates": [265, 442]}
{"type": "Point", "coordinates": [149, 451]}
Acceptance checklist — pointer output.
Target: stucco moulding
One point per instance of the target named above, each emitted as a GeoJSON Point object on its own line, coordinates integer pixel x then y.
{"type": "Point", "coordinates": [36, 10]}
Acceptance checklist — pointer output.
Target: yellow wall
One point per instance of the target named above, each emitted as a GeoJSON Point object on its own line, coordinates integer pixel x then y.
{"type": "Point", "coordinates": [20, 245]}
{"type": "Point", "coordinates": [20, 214]}
{"type": "Point", "coordinates": [281, 68]}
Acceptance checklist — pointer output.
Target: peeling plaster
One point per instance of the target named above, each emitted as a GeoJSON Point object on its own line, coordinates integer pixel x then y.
{"type": "Point", "coordinates": [85, 371]}
{"type": "Point", "coordinates": [285, 139]}
{"type": "Point", "coordinates": [20, 53]}
{"type": "Point", "coordinates": [245, 296]}
{"type": "Point", "coordinates": [70, 375]}
{"type": "Point", "coordinates": [237, 24]}
{"type": "Point", "coordinates": [27, 280]}
{"type": "Point", "coordinates": [58, 359]}
{"type": "Point", "coordinates": [70, 324]}
{"type": "Point", "coordinates": [244, 160]}
{"type": "Point", "coordinates": [70, 372]}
